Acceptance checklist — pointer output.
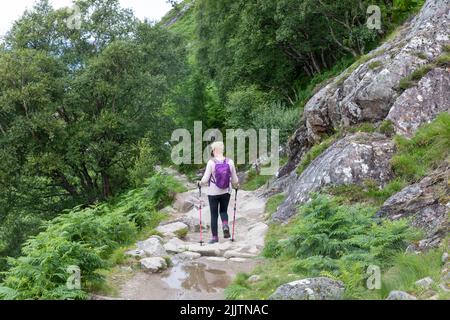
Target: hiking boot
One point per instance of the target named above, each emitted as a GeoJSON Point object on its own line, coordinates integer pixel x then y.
{"type": "Point", "coordinates": [226, 232]}
{"type": "Point", "coordinates": [213, 240]}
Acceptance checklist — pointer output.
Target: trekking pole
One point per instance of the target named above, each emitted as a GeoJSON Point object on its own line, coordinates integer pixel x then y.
{"type": "Point", "coordinates": [234, 216]}
{"type": "Point", "coordinates": [200, 213]}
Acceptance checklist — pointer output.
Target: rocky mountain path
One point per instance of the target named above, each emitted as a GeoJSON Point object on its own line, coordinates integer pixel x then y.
{"type": "Point", "coordinates": [176, 266]}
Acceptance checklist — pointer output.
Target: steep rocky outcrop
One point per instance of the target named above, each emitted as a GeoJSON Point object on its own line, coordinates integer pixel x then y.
{"type": "Point", "coordinates": [422, 103]}
{"type": "Point", "coordinates": [426, 203]}
{"type": "Point", "coordinates": [352, 160]}
{"type": "Point", "coordinates": [369, 91]}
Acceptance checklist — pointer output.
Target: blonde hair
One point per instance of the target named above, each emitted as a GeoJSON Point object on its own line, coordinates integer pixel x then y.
{"type": "Point", "coordinates": [219, 146]}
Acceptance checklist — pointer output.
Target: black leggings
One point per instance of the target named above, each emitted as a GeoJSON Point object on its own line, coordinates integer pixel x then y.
{"type": "Point", "coordinates": [218, 204]}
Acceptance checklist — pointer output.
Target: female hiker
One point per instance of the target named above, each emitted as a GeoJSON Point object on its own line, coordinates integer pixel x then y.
{"type": "Point", "coordinates": [220, 175]}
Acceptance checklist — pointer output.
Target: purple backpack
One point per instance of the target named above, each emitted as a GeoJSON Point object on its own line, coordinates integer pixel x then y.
{"type": "Point", "coordinates": [222, 174]}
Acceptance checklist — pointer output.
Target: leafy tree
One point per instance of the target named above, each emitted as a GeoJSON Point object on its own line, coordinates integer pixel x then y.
{"type": "Point", "coordinates": [73, 103]}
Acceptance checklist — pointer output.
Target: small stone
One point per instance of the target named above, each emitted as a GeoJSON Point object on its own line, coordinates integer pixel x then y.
{"type": "Point", "coordinates": [444, 257]}
{"type": "Point", "coordinates": [238, 260]}
{"type": "Point", "coordinates": [254, 278]}
{"type": "Point", "coordinates": [425, 283]}
{"type": "Point", "coordinates": [446, 276]}
{"type": "Point", "coordinates": [216, 259]}
{"type": "Point", "coordinates": [237, 254]}
{"type": "Point", "coordinates": [175, 245]}
{"type": "Point", "coordinates": [187, 255]}
{"type": "Point", "coordinates": [135, 253]}
{"type": "Point", "coordinates": [154, 264]}
{"type": "Point", "coordinates": [400, 295]}
{"type": "Point", "coordinates": [172, 229]}
{"type": "Point", "coordinates": [205, 250]}
{"type": "Point", "coordinates": [410, 249]}
{"type": "Point", "coordinates": [445, 287]}
{"type": "Point", "coordinates": [126, 268]}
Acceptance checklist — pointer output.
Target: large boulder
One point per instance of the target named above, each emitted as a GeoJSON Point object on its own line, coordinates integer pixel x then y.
{"type": "Point", "coordinates": [175, 245]}
{"type": "Point", "coordinates": [426, 203]}
{"type": "Point", "coordinates": [310, 289]}
{"type": "Point", "coordinates": [352, 160]}
{"type": "Point", "coordinates": [151, 247]}
{"type": "Point", "coordinates": [154, 264]}
{"type": "Point", "coordinates": [367, 93]}
{"type": "Point", "coordinates": [422, 103]}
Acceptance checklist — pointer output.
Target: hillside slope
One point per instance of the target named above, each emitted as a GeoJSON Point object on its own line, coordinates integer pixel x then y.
{"type": "Point", "coordinates": [405, 81]}
{"type": "Point", "coordinates": [374, 142]}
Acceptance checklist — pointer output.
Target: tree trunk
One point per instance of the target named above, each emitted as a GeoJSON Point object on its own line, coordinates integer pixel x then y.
{"type": "Point", "coordinates": [324, 61]}
{"type": "Point", "coordinates": [106, 185]}
{"type": "Point", "coordinates": [314, 62]}
{"type": "Point", "coordinates": [64, 183]}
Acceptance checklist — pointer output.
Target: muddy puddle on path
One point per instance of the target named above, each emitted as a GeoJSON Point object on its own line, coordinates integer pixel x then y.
{"type": "Point", "coordinates": [194, 280]}
{"type": "Point", "coordinates": [196, 276]}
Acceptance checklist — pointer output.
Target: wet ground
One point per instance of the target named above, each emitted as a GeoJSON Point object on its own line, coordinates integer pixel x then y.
{"type": "Point", "coordinates": [200, 279]}
{"type": "Point", "coordinates": [205, 278]}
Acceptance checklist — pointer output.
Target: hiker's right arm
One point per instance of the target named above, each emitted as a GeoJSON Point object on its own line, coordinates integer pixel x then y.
{"type": "Point", "coordinates": [234, 177]}
{"type": "Point", "coordinates": [207, 175]}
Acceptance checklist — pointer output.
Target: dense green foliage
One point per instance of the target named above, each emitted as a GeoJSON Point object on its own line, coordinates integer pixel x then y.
{"type": "Point", "coordinates": [425, 151]}
{"type": "Point", "coordinates": [84, 238]}
{"type": "Point", "coordinates": [328, 239]}
{"type": "Point", "coordinates": [339, 237]}
{"type": "Point", "coordinates": [77, 111]}
{"type": "Point", "coordinates": [85, 114]}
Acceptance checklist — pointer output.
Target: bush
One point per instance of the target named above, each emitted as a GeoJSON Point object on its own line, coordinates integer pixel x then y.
{"type": "Point", "coordinates": [408, 268]}
{"type": "Point", "coordinates": [276, 116]}
{"type": "Point", "coordinates": [255, 181]}
{"type": "Point", "coordinates": [368, 193]}
{"type": "Point", "coordinates": [144, 163]}
{"type": "Point", "coordinates": [85, 238]}
{"type": "Point", "coordinates": [387, 128]}
{"type": "Point", "coordinates": [273, 203]}
{"type": "Point", "coordinates": [241, 104]}
{"type": "Point", "coordinates": [415, 77]}
{"type": "Point", "coordinates": [329, 239]}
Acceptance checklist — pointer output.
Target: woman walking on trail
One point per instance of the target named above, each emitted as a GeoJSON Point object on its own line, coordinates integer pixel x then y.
{"type": "Point", "coordinates": [220, 176]}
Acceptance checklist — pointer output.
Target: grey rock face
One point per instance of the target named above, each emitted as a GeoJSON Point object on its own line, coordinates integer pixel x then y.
{"type": "Point", "coordinates": [364, 93]}
{"type": "Point", "coordinates": [297, 146]}
{"type": "Point", "coordinates": [367, 93]}
{"type": "Point", "coordinates": [422, 103]}
{"type": "Point", "coordinates": [352, 160]}
{"type": "Point", "coordinates": [423, 204]}
{"type": "Point", "coordinates": [400, 295]}
{"type": "Point", "coordinates": [310, 289]}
